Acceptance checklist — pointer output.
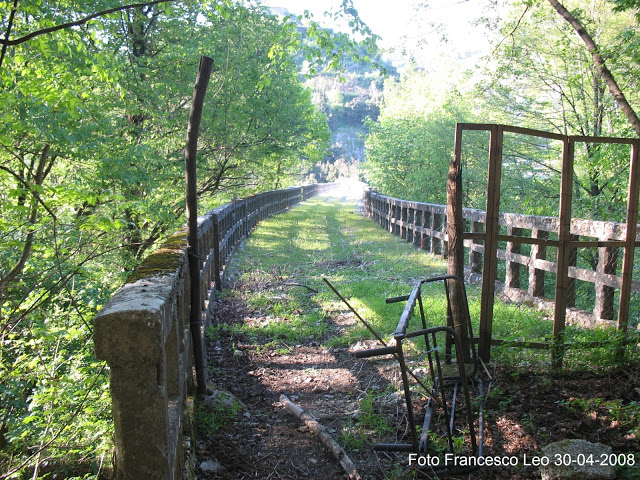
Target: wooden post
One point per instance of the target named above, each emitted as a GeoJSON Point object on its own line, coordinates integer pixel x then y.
{"type": "Point", "coordinates": [217, 261]}
{"type": "Point", "coordinates": [411, 220]}
{"type": "Point", "coordinates": [455, 231]}
{"type": "Point", "coordinates": [445, 241]}
{"type": "Point", "coordinates": [429, 241]}
{"type": "Point", "coordinates": [418, 234]}
{"type": "Point", "coordinates": [571, 284]}
{"type": "Point", "coordinates": [632, 229]}
{"type": "Point", "coordinates": [491, 242]}
{"type": "Point", "coordinates": [564, 252]}
{"type": "Point", "coordinates": [191, 151]}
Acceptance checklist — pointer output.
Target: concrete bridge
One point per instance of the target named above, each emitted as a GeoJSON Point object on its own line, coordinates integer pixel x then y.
{"type": "Point", "coordinates": [143, 332]}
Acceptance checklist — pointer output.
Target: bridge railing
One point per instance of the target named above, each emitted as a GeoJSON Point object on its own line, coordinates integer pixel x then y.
{"type": "Point", "coordinates": [143, 334]}
{"type": "Point", "coordinates": [524, 271]}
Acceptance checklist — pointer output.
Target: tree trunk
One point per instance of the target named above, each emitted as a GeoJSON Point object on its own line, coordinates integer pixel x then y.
{"type": "Point", "coordinates": [455, 254]}
{"type": "Point", "coordinates": [600, 64]}
{"type": "Point", "coordinates": [191, 151]}
{"type": "Point", "coordinates": [28, 242]}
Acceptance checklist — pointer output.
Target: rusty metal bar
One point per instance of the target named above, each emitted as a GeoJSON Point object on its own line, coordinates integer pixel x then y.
{"type": "Point", "coordinates": [449, 389]}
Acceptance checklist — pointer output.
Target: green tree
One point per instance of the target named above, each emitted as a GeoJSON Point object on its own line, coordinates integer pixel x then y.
{"type": "Point", "coordinates": [262, 131]}
{"type": "Point", "coordinates": [544, 77]}
{"type": "Point", "coordinates": [410, 146]}
{"type": "Point", "coordinates": [91, 177]}
{"type": "Point", "coordinates": [51, 282]}
{"type": "Point", "coordinates": [600, 61]}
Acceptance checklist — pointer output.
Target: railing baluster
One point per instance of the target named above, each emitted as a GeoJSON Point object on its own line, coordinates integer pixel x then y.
{"type": "Point", "coordinates": [604, 308]}
{"type": "Point", "coordinates": [512, 279]}
{"type": "Point", "coordinates": [538, 252]}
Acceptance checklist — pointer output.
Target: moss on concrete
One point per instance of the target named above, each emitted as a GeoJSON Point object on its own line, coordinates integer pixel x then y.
{"type": "Point", "coordinates": [164, 261]}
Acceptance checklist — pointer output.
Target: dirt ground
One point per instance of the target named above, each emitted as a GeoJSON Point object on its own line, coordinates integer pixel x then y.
{"type": "Point", "coordinates": [524, 411]}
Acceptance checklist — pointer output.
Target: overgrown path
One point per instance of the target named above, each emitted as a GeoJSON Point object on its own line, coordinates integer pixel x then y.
{"type": "Point", "coordinates": [280, 330]}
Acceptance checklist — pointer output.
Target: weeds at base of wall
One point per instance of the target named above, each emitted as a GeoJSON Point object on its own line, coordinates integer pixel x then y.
{"type": "Point", "coordinates": [216, 410]}
{"type": "Point", "coordinates": [189, 440]}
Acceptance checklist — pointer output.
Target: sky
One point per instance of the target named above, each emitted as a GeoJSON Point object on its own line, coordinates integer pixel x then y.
{"type": "Point", "coordinates": [385, 21]}
{"type": "Point", "coordinates": [400, 23]}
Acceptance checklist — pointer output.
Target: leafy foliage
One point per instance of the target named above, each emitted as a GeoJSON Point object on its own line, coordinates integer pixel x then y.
{"type": "Point", "coordinates": [543, 77]}
{"type": "Point", "coordinates": [539, 75]}
{"type": "Point", "coordinates": [409, 147]}
{"type": "Point", "coordinates": [91, 179]}
{"type": "Point", "coordinates": [91, 158]}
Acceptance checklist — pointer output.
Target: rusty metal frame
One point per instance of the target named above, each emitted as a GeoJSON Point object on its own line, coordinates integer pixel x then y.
{"type": "Point", "coordinates": [446, 388]}
{"type": "Point", "coordinates": [564, 243]}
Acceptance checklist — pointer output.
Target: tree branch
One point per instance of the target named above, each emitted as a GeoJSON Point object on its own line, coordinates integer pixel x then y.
{"type": "Point", "coordinates": [346, 463]}
{"type": "Point", "coordinates": [55, 436]}
{"type": "Point", "coordinates": [28, 243]}
{"type": "Point", "coordinates": [77, 23]}
{"type": "Point", "coordinates": [600, 64]}
{"type": "Point", "coordinates": [14, 9]}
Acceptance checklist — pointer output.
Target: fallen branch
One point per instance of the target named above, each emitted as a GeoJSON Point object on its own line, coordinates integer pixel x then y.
{"type": "Point", "coordinates": [327, 440]}
{"type": "Point", "coordinates": [76, 23]}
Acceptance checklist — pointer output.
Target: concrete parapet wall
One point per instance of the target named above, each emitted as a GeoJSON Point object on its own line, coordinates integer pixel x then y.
{"type": "Point", "coordinates": [424, 225]}
{"type": "Point", "coordinates": [143, 334]}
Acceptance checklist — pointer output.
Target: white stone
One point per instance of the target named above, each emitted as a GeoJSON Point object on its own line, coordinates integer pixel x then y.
{"type": "Point", "coordinates": [210, 466]}
{"type": "Point", "coordinates": [576, 460]}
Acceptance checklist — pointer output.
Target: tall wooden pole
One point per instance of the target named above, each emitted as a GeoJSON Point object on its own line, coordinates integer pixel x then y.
{"type": "Point", "coordinates": [490, 242]}
{"type": "Point", "coordinates": [191, 151]}
{"type": "Point", "coordinates": [455, 231]}
{"type": "Point", "coordinates": [564, 253]}
{"type": "Point", "coordinates": [455, 227]}
{"type": "Point", "coordinates": [632, 229]}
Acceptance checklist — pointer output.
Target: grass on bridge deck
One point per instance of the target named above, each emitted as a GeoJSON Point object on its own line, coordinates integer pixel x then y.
{"type": "Point", "coordinates": [280, 329]}
{"type": "Point", "coordinates": [329, 237]}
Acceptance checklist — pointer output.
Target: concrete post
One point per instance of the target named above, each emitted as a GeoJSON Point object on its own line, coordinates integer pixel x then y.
{"type": "Point", "coordinates": [141, 334]}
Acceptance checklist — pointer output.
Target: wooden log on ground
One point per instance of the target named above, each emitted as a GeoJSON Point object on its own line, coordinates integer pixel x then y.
{"type": "Point", "coordinates": [327, 440]}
